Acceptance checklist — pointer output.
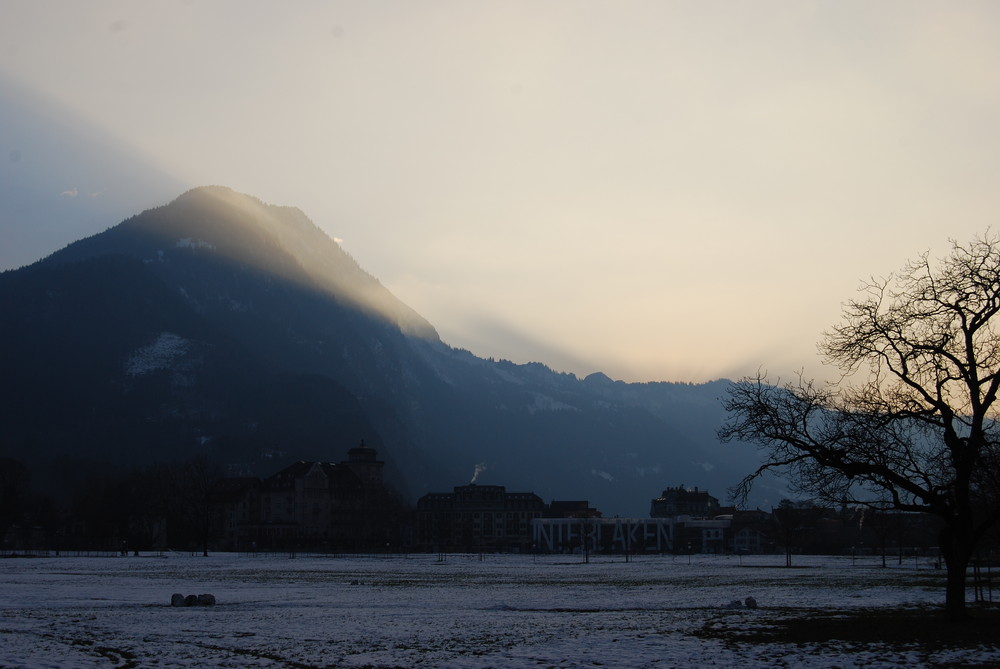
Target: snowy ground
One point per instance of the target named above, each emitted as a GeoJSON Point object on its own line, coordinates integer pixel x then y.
{"type": "Point", "coordinates": [414, 611]}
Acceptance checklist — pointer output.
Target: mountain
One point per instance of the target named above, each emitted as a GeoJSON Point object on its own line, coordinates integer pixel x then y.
{"type": "Point", "coordinates": [221, 326]}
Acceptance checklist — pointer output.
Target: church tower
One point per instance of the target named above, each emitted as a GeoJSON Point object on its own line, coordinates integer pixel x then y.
{"type": "Point", "coordinates": [363, 461]}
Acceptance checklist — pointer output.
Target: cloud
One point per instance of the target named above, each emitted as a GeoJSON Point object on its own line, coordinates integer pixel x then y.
{"type": "Point", "coordinates": [70, 193]}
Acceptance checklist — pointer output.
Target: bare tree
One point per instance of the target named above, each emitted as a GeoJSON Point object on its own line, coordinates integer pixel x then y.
{"type": "Point", "coordinates": [911, 425]}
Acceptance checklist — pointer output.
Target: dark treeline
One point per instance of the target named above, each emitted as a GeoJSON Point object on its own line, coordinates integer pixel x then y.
{"type": "Point", "coordinates": [84, 506]}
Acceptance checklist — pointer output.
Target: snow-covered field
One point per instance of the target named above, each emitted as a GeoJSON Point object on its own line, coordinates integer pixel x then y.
{"type": "Point", "coordinates": [417, 611]}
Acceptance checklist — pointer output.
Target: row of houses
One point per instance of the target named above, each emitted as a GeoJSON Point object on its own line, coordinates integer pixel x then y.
{"type": "Point", "coordinates": [488, 518]}
{"type": "Point", "coordinates": [346, 507]}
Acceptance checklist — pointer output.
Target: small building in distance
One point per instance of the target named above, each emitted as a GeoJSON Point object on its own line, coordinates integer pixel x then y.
{"type": "Point", "coordinates": [477, 518]}
{"type": "Point", "coordinates": [339, 507]}
{"type": "Point", "coordinates": [695, 527]}
{"type": "Point", "coordinates": [681, 501]}
{"type": "Point", "coordinates": [751, 531]}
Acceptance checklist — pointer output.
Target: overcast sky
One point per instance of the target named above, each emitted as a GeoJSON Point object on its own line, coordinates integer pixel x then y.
{"type": "Point", "coordinates": [660, 190]}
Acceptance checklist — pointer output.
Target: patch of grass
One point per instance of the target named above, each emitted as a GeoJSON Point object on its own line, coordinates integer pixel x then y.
{"type": "Point", "coordinates": [923, 628]}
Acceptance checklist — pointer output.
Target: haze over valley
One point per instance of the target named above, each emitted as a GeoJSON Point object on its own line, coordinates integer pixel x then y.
{"type": "Point", "coordinates": [666, 191]}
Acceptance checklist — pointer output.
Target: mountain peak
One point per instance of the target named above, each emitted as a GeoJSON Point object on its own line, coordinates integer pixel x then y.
{"type": "Point", "coordinates": [276, 241]}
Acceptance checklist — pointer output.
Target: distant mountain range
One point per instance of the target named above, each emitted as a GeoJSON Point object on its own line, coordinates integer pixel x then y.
{"type": "Point", "coordinates": [218, 325]}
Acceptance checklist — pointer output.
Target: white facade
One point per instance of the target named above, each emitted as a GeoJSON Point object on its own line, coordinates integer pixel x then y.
{"type": "Point", "coordinates": [626, 535]}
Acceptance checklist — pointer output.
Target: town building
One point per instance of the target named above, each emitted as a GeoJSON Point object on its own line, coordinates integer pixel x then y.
{"type": "Point", "coordinates": [477, 518]}
{"type": "Point", "coordinates": [751, 532]}
{"type": "Point", "coordinates": [311, 506]}
{"type": "Point", "coordinates": [681, 501]}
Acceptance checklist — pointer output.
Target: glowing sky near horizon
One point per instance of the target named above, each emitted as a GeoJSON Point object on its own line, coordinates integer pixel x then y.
{"type": "Point", "coordinates": [657, 190]}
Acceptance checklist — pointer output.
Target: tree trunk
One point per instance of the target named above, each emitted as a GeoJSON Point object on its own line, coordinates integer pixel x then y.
{"type": "Point", "coordinates": [954, 599]}
{"type": "Point", "coordinates": [957, 552]}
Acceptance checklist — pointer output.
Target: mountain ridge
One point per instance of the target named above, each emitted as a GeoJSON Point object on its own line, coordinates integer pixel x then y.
{"type": "Point", "coordinates": [255, 296]}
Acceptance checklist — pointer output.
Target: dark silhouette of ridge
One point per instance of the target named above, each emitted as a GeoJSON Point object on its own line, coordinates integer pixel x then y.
{"type": "Point", "coordinates": [220, 326]}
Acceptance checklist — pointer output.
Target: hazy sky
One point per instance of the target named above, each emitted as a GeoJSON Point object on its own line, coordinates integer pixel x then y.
{"type": "Point", "coordinates": [657, 190]}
